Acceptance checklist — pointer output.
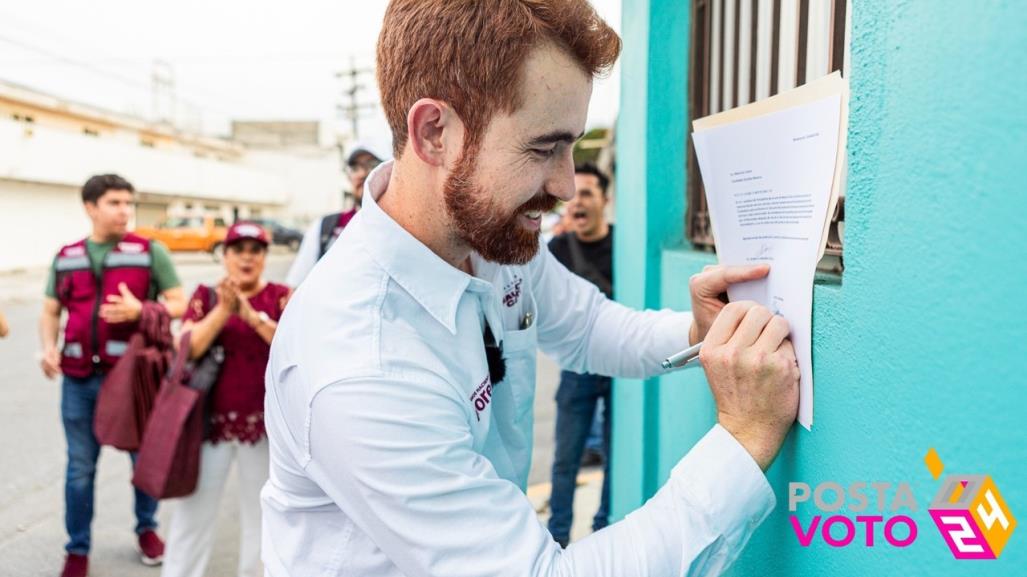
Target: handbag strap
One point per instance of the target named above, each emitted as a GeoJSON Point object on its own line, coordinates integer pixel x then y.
{"type": "Point", "coordinates": [212, 297]}
{"type": "Point", "coordinates": [181, 357]}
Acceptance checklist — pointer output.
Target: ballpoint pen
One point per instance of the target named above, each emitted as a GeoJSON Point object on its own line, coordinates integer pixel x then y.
{"type": "Point", "coordinates": [683, 358]}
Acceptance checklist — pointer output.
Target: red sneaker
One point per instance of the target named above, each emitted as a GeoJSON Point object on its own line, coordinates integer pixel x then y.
{"type": "Point", "coordinates": [151, 549]}
{"type": "Point", "coordinates": [75, 566]}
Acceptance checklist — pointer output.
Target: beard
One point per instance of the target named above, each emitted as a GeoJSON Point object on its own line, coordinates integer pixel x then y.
{"type": "Point", "coordinates": [493, 234]}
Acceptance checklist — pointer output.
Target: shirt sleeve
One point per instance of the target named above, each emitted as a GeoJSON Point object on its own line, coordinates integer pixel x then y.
{"type": "Point", "coordinates": [281, 295]}
{"type": "Point", "coordinates": [398, 458]}
{"type": "Point", "coordinates": [589, 333]}
{"type": "Point", "coordinates": [306, 256]}
{"type": "Point", "coordinates": [199, 305]}
{"type": "Point", "coordinates": [164, 274]}
{"type": "Point", "coordinates": [51, 280]}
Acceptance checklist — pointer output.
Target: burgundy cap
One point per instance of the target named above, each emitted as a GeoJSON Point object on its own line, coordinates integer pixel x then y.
{"type": "Point", "coordinates": [246, 230]}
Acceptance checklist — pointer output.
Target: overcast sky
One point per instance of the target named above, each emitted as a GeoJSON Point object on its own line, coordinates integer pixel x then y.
{"type": "Point", "coordinates": [240, 59]}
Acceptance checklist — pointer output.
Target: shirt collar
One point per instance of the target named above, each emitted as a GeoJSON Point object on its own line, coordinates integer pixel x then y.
{"type": "Point", "coordinates": [432, 282]}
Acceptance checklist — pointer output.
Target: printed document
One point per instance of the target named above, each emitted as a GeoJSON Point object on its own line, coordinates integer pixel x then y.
{"type": "Point", "coordinates": [772, 175]}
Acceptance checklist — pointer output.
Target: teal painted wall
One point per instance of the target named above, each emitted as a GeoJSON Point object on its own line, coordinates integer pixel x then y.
{"type": "Point", "coordinates": [924, 342]}
{"type": "Point", "coordinates": [648, 133]}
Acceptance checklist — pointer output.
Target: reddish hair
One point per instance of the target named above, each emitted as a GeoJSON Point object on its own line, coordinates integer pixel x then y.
{"type": "Point", "coordinates": [470, 53]}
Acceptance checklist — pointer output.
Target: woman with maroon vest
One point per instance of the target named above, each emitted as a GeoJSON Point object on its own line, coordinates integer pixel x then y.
{"type": "Point", "coordinates": [239, 315]}
{"type": "Point", "coordinates": [102, 282]}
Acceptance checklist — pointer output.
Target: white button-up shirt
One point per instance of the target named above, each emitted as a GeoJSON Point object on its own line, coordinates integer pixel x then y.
{"type": "Point", "coordinates": [393, 454]}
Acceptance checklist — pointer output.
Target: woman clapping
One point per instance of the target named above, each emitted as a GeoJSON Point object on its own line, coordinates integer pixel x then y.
{"type": "Point", "coordinates": [240, 315]}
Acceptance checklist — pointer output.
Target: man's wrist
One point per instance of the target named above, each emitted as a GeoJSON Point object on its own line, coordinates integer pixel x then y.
{"type": "Point", "coordinates": [762, 443]}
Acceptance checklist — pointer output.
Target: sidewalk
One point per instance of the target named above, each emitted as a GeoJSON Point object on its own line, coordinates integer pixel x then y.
{"type": "Point", "coordinates": [22, 286]}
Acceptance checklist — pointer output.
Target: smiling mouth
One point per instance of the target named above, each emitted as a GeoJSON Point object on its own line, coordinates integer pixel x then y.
{"type": "Point", "coordinates": [532, 219]}
{"type": "Point", "coordinates": [579, 215]}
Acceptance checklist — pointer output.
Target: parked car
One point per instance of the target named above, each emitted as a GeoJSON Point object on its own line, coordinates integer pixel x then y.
{"type": "Point", "coordinates": [281, 234]}
{"type": "Point", "coordinates": [199, 233]}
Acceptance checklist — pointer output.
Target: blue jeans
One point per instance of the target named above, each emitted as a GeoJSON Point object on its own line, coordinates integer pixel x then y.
{"type": "Point", "coordinates": [594, 442]}
{"type": "Point", "coordinates": [78, 405]}
{"type": "Point", "coordinates": [576, 400]}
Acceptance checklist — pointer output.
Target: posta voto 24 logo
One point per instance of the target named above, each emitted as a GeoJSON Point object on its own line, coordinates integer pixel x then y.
{"type": "Point", "coordinates": [968, 511]}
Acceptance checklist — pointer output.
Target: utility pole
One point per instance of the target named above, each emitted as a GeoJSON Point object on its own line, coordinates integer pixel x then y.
{"type": "Point", "coordinates": [162, 91]}
{"type": "Point", "coordinates": [350, 107]}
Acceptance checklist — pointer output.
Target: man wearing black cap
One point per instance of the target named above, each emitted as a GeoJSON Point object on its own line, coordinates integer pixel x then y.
{"type": "Point", "coordinates": [322, 233]}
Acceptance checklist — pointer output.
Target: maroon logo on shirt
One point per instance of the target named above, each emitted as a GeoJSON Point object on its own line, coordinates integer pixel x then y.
{"type": "Point", "coordinates": [481, 397]}
{"type": "Point", "coordinates": [513, 292]}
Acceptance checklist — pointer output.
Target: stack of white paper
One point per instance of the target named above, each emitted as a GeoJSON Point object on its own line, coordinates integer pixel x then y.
{"type": "Point", "coordinates": [772, 172]}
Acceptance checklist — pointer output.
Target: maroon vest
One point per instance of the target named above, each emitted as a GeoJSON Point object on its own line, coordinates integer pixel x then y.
{"type": "Point", "coordinates": [331, 228]}
{"type": "Point", "coordinates": [91, 345]}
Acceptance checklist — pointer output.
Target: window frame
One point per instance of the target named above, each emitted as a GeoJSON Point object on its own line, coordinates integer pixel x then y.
{"type": "Point", "coordinates": [708, 25]}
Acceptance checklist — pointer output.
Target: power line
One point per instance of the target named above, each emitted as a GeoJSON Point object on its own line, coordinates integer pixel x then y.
{"type": "Point", "coordinates": [75, 62]}
{"type": "Point", "coordinates": [162, 87]}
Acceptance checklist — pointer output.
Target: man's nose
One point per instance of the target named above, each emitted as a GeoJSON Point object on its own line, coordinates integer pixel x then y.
{"type": "Point", "coordinates": [561, 182]}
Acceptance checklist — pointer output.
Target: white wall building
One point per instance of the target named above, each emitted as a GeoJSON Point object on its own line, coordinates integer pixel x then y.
{"type": "Point", "coordinates": [49, 147]}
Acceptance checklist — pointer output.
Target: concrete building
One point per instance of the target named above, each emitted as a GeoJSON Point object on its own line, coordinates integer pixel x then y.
{"type": "Point", "coordinates": [307, 154]}
{"type": "Point", "coordinates": [277, 134]}
{"type": "Point", "coordinates": [49, 147]}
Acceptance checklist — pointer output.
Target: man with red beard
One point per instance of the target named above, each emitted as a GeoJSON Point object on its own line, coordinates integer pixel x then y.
{"type": "Point", "coordinates": [402, 376]}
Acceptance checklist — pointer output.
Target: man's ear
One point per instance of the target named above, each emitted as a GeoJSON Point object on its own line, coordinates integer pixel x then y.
{"type": "Point", "coordinates": [427, 122]}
